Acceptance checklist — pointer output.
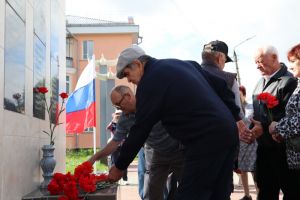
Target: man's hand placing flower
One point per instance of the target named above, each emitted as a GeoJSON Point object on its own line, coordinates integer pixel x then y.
{"type": "Point", "coordinates": [114, 174]}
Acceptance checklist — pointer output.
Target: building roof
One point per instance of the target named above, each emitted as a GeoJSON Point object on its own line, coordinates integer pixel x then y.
{"type": "Point", "coordinates": [85, 25]}
{"type": "Point", "coordinates": [75, 21]}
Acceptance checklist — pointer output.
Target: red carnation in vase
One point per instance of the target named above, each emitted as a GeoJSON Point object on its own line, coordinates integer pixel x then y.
{"type": "Point", "coordinates": [64, 95]}
{"type": "Point", "coordinates": [49, 107]}
{"type": "Point", "coordinates": [42, 90]}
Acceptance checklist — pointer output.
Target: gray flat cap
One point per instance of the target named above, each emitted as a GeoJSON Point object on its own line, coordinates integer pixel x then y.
{"type": "Point", "coordinates": [126, 57]}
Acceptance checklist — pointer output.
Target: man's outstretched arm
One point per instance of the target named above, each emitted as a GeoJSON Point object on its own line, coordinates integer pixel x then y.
{"type": "Point", "coordinates": [107, 150]}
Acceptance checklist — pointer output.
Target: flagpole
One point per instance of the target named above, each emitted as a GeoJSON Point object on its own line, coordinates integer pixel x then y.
{"type": "Point", "coordinates": [79, 102]}
{"type": "Point", "coordinates": [94, 128]}
{"type": "Point", "coordinates": [94, 145]}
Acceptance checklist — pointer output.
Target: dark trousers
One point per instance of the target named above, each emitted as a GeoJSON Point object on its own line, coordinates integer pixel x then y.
{"type": "Point", "coordinates": [158, 168]}
{"type": "Point", "coordinates": [207, 174]}
{"type": "Point", "coordinates": [272, 174]}
{"type": "Point", "coordinates": [172, 185]}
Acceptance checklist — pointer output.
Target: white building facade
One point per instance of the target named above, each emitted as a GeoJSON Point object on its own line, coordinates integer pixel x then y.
{"type": "Point", "coordinates": [32, 54]}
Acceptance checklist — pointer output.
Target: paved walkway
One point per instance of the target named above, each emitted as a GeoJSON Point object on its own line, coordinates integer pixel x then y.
{"type": "Point", "coordinates": [129, 190]}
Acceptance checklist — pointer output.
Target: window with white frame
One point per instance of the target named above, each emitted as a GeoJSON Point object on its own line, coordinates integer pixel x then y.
{"type": "Point", "coordinates": [68, 84]}
{"type": "Point", "coordinates": [90, 129]}
{"type": "Point", "coordinates": [88, 49]}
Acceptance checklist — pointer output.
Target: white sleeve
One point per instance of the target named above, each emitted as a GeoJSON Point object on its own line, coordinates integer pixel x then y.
{"type": "Point", "coordinates": [236, 91]}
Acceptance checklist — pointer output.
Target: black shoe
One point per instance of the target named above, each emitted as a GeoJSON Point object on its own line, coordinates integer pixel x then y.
{"type": "Point", "coordinates": [246, 198]}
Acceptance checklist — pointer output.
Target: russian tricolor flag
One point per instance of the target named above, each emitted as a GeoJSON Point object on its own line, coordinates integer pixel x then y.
{"type": "Point", "coordinates": [81, 104]}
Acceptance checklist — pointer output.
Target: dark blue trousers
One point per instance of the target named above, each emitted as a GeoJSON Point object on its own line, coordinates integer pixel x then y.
{"type": "Point", "coordinates": [207, 173]}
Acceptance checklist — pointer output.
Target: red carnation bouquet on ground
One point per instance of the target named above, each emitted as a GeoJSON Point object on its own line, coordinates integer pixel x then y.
{"type": "Point", "coordinates": [270, 101]}
{"type": "Point", "coordinates": [68, 185]}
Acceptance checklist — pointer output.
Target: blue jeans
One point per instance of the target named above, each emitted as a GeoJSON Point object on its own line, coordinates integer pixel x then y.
{"type": "Point", "coordinates": [141, 172]}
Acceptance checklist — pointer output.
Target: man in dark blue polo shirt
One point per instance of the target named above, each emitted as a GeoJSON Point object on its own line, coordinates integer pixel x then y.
{"type": "Point", "coordinates": [185, 99]}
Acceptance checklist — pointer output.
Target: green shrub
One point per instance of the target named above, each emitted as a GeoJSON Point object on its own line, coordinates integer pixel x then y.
{"type": "Point", "coordinates": [75, 157]}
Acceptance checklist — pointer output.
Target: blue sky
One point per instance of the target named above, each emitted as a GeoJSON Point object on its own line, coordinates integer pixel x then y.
{"type": "Point", "coordinates": [180, 28]}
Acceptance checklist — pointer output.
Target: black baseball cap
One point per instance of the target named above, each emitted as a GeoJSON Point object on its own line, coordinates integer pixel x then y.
{"type": "Point", "coordinates": [219, 46]}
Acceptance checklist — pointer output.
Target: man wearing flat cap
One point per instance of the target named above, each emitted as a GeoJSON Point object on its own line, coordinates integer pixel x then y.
{"type": "Point", "coordinates": [195, 107]}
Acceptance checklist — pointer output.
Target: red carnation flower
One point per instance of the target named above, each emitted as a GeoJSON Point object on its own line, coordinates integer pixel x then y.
{"type": "Point", "coordinates": [42, 90]}
{"type": "Point", "coordinates": [63, 198]}
{"type": "Point", "coordinates": [70, 190]}
{"type": "Point", "coordinates": [88, 183]}
{"type": "Point", "coordinates": [67, 184]}
{"type": "Point", "coordinates": [63, 95]}
{"type": "Point", "coordinates": [83, 170]}
{"type": "Point", "coordinates": [54, 187]}
{"type": "Point", "coordinates": [50, 108]}
{"type": "Point", "coordinates": [270, 101]}
{"type": "Point", "coordinates": [101, 177]}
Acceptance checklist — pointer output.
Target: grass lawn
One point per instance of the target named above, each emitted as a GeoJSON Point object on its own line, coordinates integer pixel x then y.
{"type": "Point", "coordinates": [78, 156]}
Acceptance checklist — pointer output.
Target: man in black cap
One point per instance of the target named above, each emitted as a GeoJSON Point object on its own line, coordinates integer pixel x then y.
{"type": "Point", "coordinates": [218, 46]}
{"type": "Point", "coordinates": [195, 107]}
{"type": "Point", "coordinates": [214, 57]}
